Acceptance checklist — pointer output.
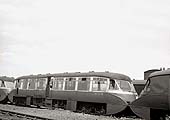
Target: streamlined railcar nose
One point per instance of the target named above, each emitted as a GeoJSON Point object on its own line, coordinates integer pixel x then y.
{"type": "Point", "coordinates": [3, 94]}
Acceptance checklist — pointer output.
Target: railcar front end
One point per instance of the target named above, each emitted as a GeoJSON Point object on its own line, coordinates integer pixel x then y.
{"type": "Point", "coordinates": [154, 101]}
{"type": "Point", "coordinates": [4, 91]}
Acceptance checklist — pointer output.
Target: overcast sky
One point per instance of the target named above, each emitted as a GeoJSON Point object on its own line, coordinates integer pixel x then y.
{"type": "Point", "coordinates": [54, 36]}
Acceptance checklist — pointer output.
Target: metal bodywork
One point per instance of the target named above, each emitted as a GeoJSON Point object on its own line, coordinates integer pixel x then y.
{"type": "Point", "coordinates": [113, 102]}
{"type": "Point", "coordinates": [6, 85]}
{"type": "Point", "coordinates": [154, 101]}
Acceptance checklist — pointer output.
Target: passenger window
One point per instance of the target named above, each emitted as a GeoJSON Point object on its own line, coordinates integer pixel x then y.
{"type": "Point", "coordinates": [24, 83]}
{"type": "Point", "coordinates": [70, 83]}
{"type": "Point", "coordinates": [41, 83]}
{"type": "Point", "coordinates": [113, 85]}
{"type": "Point", "coordinates": [99, 84]}
{"type": "Point", "coordinates": [31, 83]}
{"type": "Point", "coordinates": [57, 83]}
{"type": "Point", "coordinates": [83, 84]}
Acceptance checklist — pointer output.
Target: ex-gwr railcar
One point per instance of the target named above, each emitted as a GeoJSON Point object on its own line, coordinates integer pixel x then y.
{"type": "Point", "coordinates": [92, 92]}
{"type": "Point", "coordinates": [154, 101]}
{"type": "Point", "coordinates": [6, 85]}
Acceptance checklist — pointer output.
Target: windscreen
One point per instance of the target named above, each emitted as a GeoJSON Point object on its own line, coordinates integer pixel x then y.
{"type": "Point", "coordinates": [124, 85]}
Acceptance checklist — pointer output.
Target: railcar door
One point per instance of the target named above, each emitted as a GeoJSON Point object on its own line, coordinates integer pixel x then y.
{"type": "Point", "coordinates": [40, 94]}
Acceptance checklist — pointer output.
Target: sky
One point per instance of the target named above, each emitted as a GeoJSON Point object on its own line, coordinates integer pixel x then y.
{"type": "Point", "coordinates": [55, 36]}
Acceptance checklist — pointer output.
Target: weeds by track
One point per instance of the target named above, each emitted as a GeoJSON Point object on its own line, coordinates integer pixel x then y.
{"type": "Point", "coordinates": [11, 115]}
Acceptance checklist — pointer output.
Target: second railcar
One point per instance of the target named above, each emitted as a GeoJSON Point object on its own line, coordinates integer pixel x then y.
{"type": "Point", "coordinates": [6, 85]}
{"type": "Point", "coordinates": [154, 101]}
{"type": "Point", "coordinates": [93, 92]}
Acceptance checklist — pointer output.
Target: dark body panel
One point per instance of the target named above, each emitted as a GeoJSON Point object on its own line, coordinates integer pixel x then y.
{"type": "Point", "coordinates": [155, 96]}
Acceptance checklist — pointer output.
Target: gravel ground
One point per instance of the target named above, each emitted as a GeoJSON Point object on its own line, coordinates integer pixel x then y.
{"type": "Point", "coordinates": [59, 114]}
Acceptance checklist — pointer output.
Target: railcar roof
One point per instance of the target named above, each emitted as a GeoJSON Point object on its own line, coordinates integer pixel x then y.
{"type": "Point", "coordinates": [78, 74]}
{"type": "Point", "coordinates": [5, 78]}
{"type": "Point", "coordinates": [160, 73]}
{"type": "Point", "coordinates": [139, 82]}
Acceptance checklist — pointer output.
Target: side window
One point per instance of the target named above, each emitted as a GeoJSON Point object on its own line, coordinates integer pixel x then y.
{"type": "Point", "coordinates": [113, 85]}
{"type": "Point", "coordinates": [31, 84]}
{"type": "Point", "coordinates": [9, 84]}
{"type": "Point", "coordinates": [2, 84]}
{"type": "Point", "coordinates": [18, 84]}
{"type": "Point", "coordinates": [147, 86]}
{"type": "Point", "coordinates": [83, 84]}
{"type": "Point", "coordinates": [57, 83]}
{"type": "Point", "coordinates": [70, 83]}
{"type": "Point", "coordinates": [41, 83]}
{"type": "Point", "coordinates": [24, 83]}
{"type": "Point", "coordinates": [99, 84]}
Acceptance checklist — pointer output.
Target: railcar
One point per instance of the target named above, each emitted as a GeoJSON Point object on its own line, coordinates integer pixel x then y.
{"type": "Point", "coordinates": [154, 101]}
{"type": "Point", "coordinates": [92, 92]}
{"type": "Point", "coordinates": [6, 85]}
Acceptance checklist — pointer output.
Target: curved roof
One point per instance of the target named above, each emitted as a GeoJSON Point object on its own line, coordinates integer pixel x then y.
{"type": "Point", "coordinates": [160, 73]}
{"type": "Point", "coordinates": [78, 74]}
{"type": "Point", "coordinates": [5, 78]}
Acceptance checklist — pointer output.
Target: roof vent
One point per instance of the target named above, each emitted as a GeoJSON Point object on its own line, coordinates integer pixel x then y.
{"type": "Point", "coordinates": [107, 71]}
{"type": "Point", "coordinates": [91, 71]}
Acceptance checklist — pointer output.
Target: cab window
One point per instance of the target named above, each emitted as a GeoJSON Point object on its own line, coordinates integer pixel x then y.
{"type": "Point", "coordinates": [83, 84]}
{"type": "Point", "coordinates": [113, 85]}
{"type": "Point", "coordinates": [2, 84]}
{"type": "Point", "coordinates": [124, 85]}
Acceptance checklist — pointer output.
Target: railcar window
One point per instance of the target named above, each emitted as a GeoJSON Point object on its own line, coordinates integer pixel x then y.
{"type": "Point", "coordinates": [18, 84]}
{"type": "Point", "coordinates": [58, 83]}
{"type": "Point", "coordinates": [147, 85]}
{"type": "Point", "coordinates": [41, 83]}
{"type": "Point", "coordinates": [83, 84]}
{"type": "Point", "coordinates": [31, 84]}
{"type": "Point", "coordinates": [9, 84]}
{"type": "Point", "coordinates": [24, 83]}
{"type": "Point", "coordinates": [70, 83]}
{"type": "Point", "coordinates": [113, 85]}
{"type": "Point", "coordinates": [99, 84]}
{"type": "Point", "coordinates": [124, 85]}
{"type": "Point", "coordinates": [2, 84]}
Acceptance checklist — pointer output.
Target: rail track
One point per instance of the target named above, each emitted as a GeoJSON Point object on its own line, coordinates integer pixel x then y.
{"type": "Point", "coordinates": [11, 115]}
{"type": "Point", "coordinates": [12, 112]}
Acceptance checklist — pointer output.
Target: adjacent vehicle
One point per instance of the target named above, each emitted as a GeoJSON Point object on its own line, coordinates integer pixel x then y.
{"type": "Point", "coordinates": [93, 92]}
{"type": "Point", "coordinates": [6, 85]}
{"type": "Point", "coordinates": [154, 101]}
